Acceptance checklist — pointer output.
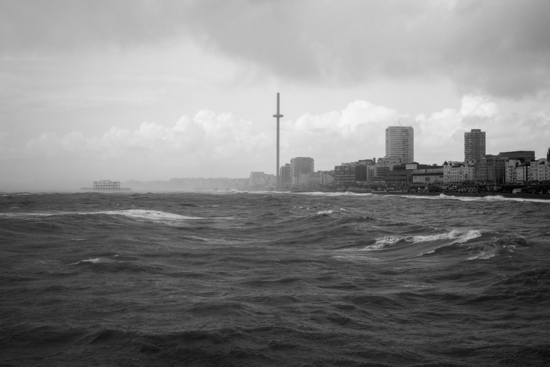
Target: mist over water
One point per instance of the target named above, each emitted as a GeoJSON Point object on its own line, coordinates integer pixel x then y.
{"type": "Point", "coordinates": [273, 279]}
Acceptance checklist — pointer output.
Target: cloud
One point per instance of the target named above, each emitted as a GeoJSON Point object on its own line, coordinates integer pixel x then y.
{"type": "Point", "coordinates": [478, 42]}
{"type": "Point", "coordinates": [480, 106]}
{"type": "Point", "coordinates": [77, 24]}
{"type": "Point", "coordinates": [211, 144]}
{"type": "Point", "coordinates": [442, 133]}
{"type": "Point", "coordinates": [499, 47]}
{"type": "Point", "coordinates": [206, 144]}
{"type": "Point", "coordinates": [356, 132]}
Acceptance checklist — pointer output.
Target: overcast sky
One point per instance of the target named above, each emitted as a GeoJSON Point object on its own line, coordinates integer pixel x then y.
{"type": "Point", "coordinates": [153, 90]}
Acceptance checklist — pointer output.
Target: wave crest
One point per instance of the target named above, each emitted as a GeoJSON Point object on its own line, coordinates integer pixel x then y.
{"type": "Point", "coordinates": [455, 235]}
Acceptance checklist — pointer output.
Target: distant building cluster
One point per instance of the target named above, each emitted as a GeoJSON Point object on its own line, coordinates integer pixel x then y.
{"type": "Point", "coordinates": [398, 170]}
{"type": "Point", "coordinates": [106, 185]}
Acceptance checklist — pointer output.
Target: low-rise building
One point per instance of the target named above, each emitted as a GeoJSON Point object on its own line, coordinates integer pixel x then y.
{"type": "Point", "coordinates": [326, 178]}
{"type": "Point", "coordinates": [520, 155]}
{"type": "Point", "coordinates": [260, 180]}
{"type": "Point", "coordinates": [540, 170]}
{"type": "Point", "coordinates": [453, 172]}
{"type": "Point", "coordinates": [427, 176]}
{"type": "Point", "coordinates": [344, 174]}
{"type": "Point", "coordinates": [354, 174]}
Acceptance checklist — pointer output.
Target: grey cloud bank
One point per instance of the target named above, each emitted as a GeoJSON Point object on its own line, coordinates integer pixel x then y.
{"type": "Point", "coordinates": [497, 47]}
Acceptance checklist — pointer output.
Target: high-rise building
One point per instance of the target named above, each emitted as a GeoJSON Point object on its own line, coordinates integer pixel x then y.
{"type": "Point", "coordinates": [300, 170]}
{"type": "Point", "coordinates": [284, 174]}
{"type": "Point", "coordinates": [474, 145]}
{"type": "Point", "coordinates": [400, 143]}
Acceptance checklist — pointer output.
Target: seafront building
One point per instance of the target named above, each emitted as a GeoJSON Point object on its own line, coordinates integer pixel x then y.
{"type": "Point", "coordinates": [285, 177]}
{"type": "Point", "coordinates": [106, 186]}
{"type": "Point", "coordinates": [301, 168]}
{"type": "Point", "coordinates": [384, 166]}
{"type": "Point", "coordinates": [400, 143]}
{"type": "Point", "coordinates": [456, 172]}
{"type": "Point", "coordinates": [427, 175]}
{"type": "Point", "coordinates": [540, 170]}
{"type": "Point", "coordinates": [474, 145]}
{"type": "Point", "coordinates": [491, 169]}
{"type": "Point", "coordinates": [261, 180]}
{"type": "Point", "coordinates": [453, 172]}
{"type": "Point", "coordinates": [521, 155]}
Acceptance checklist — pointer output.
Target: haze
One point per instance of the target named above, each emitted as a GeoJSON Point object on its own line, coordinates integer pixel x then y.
{"type": "Point", "coordinates": [153, 90]}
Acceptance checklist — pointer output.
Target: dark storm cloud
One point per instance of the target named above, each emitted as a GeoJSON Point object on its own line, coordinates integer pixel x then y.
{"type": "Point", "coordinates": [496, 46]}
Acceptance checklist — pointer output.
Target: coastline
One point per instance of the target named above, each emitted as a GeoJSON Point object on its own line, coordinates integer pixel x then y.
{"type": "Point", "coordinates": [472, 195]}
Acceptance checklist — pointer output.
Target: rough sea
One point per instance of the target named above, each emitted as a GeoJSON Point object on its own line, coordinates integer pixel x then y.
{"type": "Point", "coordinates": [273, 279]}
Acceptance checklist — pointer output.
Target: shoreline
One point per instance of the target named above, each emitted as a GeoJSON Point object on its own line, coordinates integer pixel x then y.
{"type": "Point", "coordinates": [473, 195]}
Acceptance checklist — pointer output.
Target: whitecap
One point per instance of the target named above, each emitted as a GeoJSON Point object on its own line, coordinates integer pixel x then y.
{"type": "Point", "coordinates": [486, 198]}
{"type": "Point", "coordinates": [387, 241]}
{"type": "Point", "coordinates": [93, 261]}
{"type": "Point", "coordinates": [484, 255]}
{"type": "Point", "coordinates": [146, 214]}
{"type": "Point", "coordinates": [458, 237]}
{"type": "Point", "coordinates": [325, 212]}
{"type": "Point", "coordinates": [154, 215]}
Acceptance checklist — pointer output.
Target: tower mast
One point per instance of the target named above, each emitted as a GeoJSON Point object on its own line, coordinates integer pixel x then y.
{"type": "Point", "coordinates": [278, 116]}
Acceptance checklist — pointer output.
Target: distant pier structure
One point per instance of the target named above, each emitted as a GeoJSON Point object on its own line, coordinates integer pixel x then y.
{"type": "Point", "coordinates": [278, 116]}
{"type": "Point", "coordinates": [106, 185]}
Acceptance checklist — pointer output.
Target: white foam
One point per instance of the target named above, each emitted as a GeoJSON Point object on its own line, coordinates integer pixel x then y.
{"type": "Point", "coordinates": [155, 215]}
{"type": "Point", "coordinates": [146, 214]}
{"type": "Point", "coordinates": [488, 198]}
{"type": "Point", "coordinates": [457, 236]}
{"type": "Point", "coordinates": [325, 212]}
{"type": "Point", "coordinates": [484, 255]}
{"type": "Point", "coordinates": [387, 241]}
{"type": "Point", "coordinates": [470, 235]}
{"type": "Point", "coordinates": [93, 261]}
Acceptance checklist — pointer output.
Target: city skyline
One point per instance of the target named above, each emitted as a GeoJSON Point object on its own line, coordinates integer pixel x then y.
{"type": "Point", "coordinates": [150, 91]}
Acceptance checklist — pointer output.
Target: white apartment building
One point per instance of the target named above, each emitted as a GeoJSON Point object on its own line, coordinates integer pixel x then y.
{"type": "Point", "coordinates": [454, 171]}
{"type": "Point", "coordinates": [511, 171]}
{"type": "Point", "coordinates": [540, 170]}
{"type": "Point", "coordinates": [469, 171]}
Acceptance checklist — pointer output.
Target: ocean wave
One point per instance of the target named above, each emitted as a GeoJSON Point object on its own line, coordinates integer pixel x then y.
{"type": "Point", "coordinates": [332, 194]}
{"type": "Point", "coordinates": [454, 235]}
{"type": "Point", "coordinates": [325, 212]}
{"type": "Point", "coordinates": [93, 261]}
{"type": "Point", "coordinates": [105, 265]}
{"type": "Point", "coordinates": [487, 198]}
{"type": "Point", "coordinates": [154, 215]}
{"type": "Point", "coordinates": [507, 244]}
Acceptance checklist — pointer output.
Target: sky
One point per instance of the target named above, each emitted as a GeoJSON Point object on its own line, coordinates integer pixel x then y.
{"type": "Point", "coordinates": [152, 90]}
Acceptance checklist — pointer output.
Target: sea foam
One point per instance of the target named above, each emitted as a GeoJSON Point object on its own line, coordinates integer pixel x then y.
{"type": "Point", "coordinates": [455, 235]}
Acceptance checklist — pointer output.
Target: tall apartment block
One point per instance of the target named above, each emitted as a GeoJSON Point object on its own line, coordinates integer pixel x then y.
{"type": "Point", "coordinates": [474, 145]}
{"type": "Point", "coordinates": [400, 143]}
{"type": "Point", "coordinates": [300, 169]}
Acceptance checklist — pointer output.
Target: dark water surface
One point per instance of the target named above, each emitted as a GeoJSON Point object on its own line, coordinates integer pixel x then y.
{"type": "Point", "coordinates": [239, 279]}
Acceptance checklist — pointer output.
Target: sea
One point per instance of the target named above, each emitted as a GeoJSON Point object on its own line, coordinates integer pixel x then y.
{"type": "Point", "coordinates": [273, 279]}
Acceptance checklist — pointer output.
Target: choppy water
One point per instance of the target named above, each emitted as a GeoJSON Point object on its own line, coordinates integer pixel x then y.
{"type": "Point", "coordinates": [238, 279]}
